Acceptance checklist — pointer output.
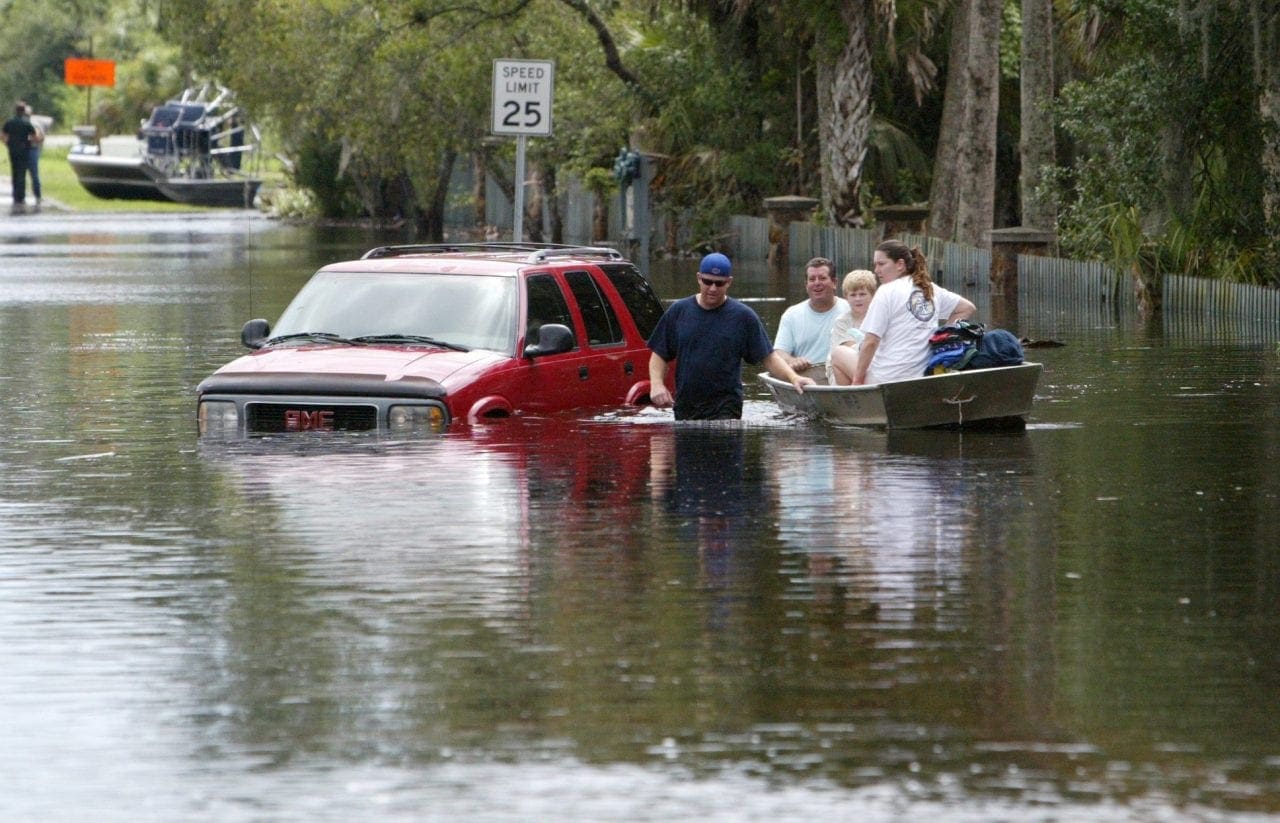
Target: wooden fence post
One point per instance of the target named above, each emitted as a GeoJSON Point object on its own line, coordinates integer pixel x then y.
{"type": "Point", "coordinates": [783, 211]}
{"type": "Point", "coordinates": [899, 220]}
{"type": "Point", "coordinates": [1006, 245]}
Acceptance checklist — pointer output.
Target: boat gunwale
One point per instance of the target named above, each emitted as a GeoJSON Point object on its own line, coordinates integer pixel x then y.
{"type": "Point", "coordinates": [880, 394]}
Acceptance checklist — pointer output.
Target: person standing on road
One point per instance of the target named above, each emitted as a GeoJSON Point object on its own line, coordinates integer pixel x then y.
{"type": "Point", "coordinates": [804, 333]}
{"type": "Point", "coordinates": [17, 131]}
{"type": "Point", "coordinates": [36, 142]}
{"type": "Point", "coordinates": [708, 335]}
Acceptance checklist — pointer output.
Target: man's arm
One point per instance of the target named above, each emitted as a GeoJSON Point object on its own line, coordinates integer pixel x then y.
{"type": "Point", "coordinates": [785, 342]}
{"type": "Point", "coordinates": [778, 366]}
{"type": "Point", "coordinates": [659, 394]}
{"type": "Point", "coordinates": [868, 350]}
{"type": "Point", "coordinates": [796, 363]}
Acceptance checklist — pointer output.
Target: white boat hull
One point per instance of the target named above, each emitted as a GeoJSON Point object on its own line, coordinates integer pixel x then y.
{"type": "Point", "coordinates": [1002, 395]}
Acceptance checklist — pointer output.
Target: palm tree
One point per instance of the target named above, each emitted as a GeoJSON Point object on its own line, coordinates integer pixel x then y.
{"type": "Point", "coordinates": [844, 32]}
{"type": "Point", "coordinates": [1037, 145]}
{"type": "Point", "coordinates": [962, 199]}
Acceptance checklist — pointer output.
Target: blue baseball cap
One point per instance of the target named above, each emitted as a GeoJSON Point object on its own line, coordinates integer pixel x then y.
{"type": "Point", "coordinates": [717, 264]}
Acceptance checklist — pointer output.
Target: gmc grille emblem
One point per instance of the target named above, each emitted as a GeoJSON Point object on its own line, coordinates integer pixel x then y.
{"type": "Point", "coordinates": [300, 420]}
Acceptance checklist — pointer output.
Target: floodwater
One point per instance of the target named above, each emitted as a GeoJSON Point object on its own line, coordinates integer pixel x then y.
{"type": "Point", "coordinates": [612, 617]}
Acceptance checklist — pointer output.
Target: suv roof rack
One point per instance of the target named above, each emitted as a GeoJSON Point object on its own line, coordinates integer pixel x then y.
{"type": "Point", "coordinates": [538, 252]}
{"type": "Point", "coordinates": [541, 255]}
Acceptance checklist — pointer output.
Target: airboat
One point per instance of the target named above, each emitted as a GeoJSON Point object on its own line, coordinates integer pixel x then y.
{"type": "Point", "coordinates": [197, 148]}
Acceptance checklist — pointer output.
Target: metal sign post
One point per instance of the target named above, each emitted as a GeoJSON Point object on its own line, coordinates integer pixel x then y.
{"type": "Point", "coordinates": [517, 217]}
{"type": "Point", "coordinates": [522, 94]}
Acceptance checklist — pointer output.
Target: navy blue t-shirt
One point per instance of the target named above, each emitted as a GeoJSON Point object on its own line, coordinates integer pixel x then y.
{"type": "Point", "coordinates": [709, 346]}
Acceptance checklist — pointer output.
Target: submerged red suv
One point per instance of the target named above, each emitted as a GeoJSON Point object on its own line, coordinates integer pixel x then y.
{"type": "Point", "coordinates": [411, 339]}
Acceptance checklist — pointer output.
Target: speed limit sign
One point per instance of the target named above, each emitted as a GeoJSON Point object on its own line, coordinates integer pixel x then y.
{"type": "Point", "coordinates": [522, 91]}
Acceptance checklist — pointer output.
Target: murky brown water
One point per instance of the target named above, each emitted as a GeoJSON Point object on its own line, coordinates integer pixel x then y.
{"type": "Point", "coordinates": [614, 617]}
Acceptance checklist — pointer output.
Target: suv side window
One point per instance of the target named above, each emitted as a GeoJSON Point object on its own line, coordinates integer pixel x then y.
{"type": "Point", "coordinates": [546, 305]}
{"type": "Point", "coordinates": [598, 316]}
{"type": "Point", "coordinates": [638, 296]}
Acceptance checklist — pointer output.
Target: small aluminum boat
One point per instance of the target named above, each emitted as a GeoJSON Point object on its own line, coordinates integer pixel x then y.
{"type": "Point", "coordinates": [997, 396]}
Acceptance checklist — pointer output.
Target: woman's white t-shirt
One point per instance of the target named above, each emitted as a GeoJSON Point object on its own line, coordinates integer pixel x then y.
{"type": "Point", "coordinates": [904, 321]}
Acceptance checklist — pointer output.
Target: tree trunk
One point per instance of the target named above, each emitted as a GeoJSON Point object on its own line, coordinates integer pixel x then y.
{"type": "Point", "coordinates": [599, 216]}
{"type": "Point", "coordinates": [430, 223]}
{"type": "Point", "coordinates": [1266, 53]}
{"type": "Point", "coordinates": [533, 204]}
{"type": "Point", "coordinates": [552, 200]}
{"type": "Point", "coordinates": [1038, 146]}
{"type": "Point", "coordinates": [844, 113]}
{"type": "Point", "coordinates": [962, 200]}
{"type": "Point", "coordinates": [943, 192]}
{"type": "Point", "coordinates": [479, 189]}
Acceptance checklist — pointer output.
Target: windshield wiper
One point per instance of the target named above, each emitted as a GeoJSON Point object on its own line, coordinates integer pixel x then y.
{"type": "Point", "coordinates": [408, 338]}
{"type": "Point", "coordinates": [317, 336]}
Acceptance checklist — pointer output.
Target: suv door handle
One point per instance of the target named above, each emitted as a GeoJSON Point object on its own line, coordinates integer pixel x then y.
{"type": "Point", "coordinates": [582, 372]}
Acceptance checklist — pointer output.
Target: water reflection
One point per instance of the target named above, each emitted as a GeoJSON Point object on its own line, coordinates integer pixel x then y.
{"type": "Point", "coordinates": [620, 617]}
{"type": "Point", "coordinates": [700, 473]}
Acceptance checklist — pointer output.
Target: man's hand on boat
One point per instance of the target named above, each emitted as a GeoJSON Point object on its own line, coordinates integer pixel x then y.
{"type": "Point", "coordinates": [777, 366]}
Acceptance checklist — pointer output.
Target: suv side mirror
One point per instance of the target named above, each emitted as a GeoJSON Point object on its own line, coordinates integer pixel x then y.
{"type": "Point", "coordinates": [255, 333]}
{"type": "Point", "coordinates": [553, 338]}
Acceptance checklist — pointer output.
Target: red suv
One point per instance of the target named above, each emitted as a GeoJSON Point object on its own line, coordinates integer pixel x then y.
{"type": "Point", "coordinates": [409, 339]}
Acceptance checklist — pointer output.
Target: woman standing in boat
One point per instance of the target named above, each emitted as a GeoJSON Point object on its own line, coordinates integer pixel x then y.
{"type": "Point", "coordinates": [905, 311]}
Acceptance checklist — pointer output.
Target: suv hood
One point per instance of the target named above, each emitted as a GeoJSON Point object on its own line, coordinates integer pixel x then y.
{"type": "Point", "coordinates": [386, 362]}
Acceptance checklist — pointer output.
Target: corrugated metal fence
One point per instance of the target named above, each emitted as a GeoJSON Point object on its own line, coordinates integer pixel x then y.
{"type": "Point", "coordinates": [847, 248]}
{"type": "Point", "coordinates": [1082, 292]}
{"type": "Point", "coordinates": [749, 237]}
{"type": "Point", "coordinates": [1079, 291]}
{"type": "Point", "coordinates": [1087, 292]}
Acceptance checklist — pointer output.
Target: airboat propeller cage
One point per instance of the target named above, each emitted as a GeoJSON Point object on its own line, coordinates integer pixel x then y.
{"type": "Point", "coordinates": [199, 135]}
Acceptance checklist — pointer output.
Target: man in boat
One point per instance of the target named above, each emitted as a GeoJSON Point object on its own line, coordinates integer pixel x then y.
{"type": "Point", "coordinates": [708, 335]}
{"type": "Point", "coordinates": [804, 333]}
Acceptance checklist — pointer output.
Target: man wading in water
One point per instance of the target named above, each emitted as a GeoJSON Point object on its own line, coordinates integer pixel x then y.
{"type": "Point", "coordinates": [708, 335]}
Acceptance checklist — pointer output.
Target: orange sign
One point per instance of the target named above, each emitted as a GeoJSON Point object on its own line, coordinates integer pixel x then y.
{"type": "Point", "coordinates": [84, 72]}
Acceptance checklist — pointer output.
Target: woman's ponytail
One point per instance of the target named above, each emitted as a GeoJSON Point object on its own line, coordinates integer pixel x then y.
{"type": "Point", "coordinates": [914, 264]}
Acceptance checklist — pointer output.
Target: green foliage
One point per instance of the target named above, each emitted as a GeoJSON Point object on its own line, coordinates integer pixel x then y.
{"type": "Point", "coordinates": [719, 126]}
{"type": "Point", "coordinates": [317, 170]}
{"type": "Point", "coordinates": [374, 101]}
{"type": "Point", "coordinates": [35, 37]}
{"type": "Point", "coordinates": [600, 181]}
{"type": "Point", "coordinates": [896, 168]}
{"type": "Point", "coordinates": [1173, 148]}
{"type": "Point", "coordinates": [42, 35]}
{"type": "Point", "coordinates": [1011, 40]}
{"type": "Point", "coordinates": [1113, 122]}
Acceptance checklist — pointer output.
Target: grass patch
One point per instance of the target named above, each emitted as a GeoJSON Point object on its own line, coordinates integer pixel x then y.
{"type": "Point", "coordinates": [58, 183]}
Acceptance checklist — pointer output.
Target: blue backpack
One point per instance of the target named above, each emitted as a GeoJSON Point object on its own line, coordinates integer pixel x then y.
{"type": "Point", "coordinates": [996, 348]}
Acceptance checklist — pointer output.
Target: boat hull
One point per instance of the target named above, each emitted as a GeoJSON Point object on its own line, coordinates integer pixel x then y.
{"type": "Point", "coordinates": [996, 396]}
{"type": "Point", "coordinates": [227, 193]}
{"type": "Point", "coordinates": [115, 178]}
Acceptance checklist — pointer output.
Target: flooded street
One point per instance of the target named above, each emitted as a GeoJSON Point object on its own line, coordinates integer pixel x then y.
{"type": "Point", "coordinates": [611, 617]}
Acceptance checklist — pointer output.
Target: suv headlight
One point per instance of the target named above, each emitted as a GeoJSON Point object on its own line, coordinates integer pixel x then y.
{"type": "Point", "coordinates": [218, 417]}
{"type": "Point", "coordinates": [415, 419]}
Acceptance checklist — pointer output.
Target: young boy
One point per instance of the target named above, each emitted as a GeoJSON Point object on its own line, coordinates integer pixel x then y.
{"type": "Point", "coordinates": [858, 287]}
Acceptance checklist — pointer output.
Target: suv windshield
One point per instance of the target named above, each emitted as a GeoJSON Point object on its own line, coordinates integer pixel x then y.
{"type": "Point", "coordinates": [475, 312]}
